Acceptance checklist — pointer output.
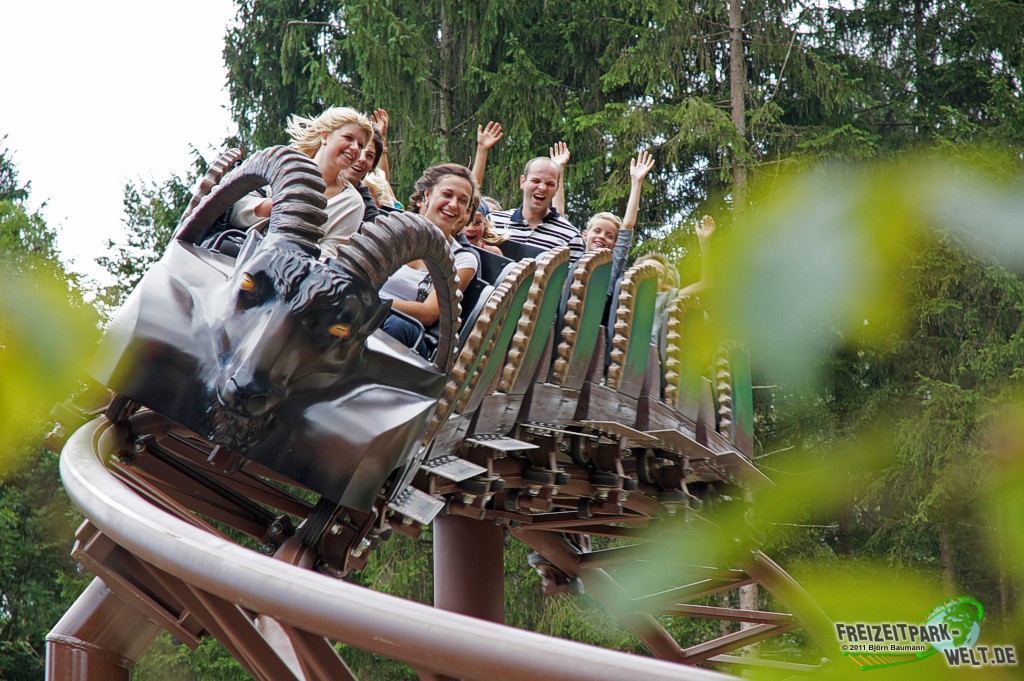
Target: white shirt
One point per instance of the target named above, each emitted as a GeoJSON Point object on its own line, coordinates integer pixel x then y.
{"type": "Point", "coordinates": [409, 283]}
{"type": "Point", "coordinates": [344, 216]}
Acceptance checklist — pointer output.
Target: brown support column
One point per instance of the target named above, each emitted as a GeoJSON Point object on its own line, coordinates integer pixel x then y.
{"type": "Point", "coordinates": [469, 573]}
{"type": "Point", "coordinates": [98, 639]}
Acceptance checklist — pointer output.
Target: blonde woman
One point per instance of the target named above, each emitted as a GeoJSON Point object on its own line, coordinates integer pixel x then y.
{"type": "Point", "coordinates": [334, 140]}
{"type": "Point", "coordinates": [480, 233]}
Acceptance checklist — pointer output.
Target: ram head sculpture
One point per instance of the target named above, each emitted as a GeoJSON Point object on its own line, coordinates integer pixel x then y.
{"type": "Point", "coordinates": [275, 354]}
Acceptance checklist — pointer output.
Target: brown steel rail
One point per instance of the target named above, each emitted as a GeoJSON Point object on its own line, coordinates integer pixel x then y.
{"type": "Point", "coordinates": [235, 583]}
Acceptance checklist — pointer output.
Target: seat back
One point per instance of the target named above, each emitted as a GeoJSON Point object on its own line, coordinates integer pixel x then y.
{"type": "Point", "coordinates": [473, 300]}
{"type": "Point", "coordinates": [516, 250]}
{"type": "Point", "coordinates": [480, 347]}
{"type": "Point", "coordinates": [536, 323]}
{"type": "Point", "coordinates": [584, 313]}
{"type": "Point", "coordinates": [683, 356]}
{"type": "Point", "coordinates": [634, 321]}
{"type": "Point", "coordinates": [734, 393]}
{"type": "Point", "coordinates": [492, 266]}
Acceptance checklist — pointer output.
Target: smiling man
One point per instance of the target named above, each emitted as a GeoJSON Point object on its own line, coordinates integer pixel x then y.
{"type": "Point", "coordinates": [535, 222]}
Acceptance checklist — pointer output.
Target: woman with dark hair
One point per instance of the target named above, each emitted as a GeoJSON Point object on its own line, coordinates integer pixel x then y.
{"type": "Point", "coordinates": [447, 196]}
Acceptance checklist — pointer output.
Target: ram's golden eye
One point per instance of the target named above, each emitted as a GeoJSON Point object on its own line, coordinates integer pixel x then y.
{"type": "Point", "coordinates": [247, 284]}
{"type": "Point", "coordinates": [340, 330]}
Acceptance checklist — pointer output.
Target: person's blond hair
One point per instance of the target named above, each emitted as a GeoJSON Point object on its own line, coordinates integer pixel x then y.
{"type": "Point", "coordinates": [380, 188]}
{"type": "Point", "coordinates": [667, 272]}
{"type": "Point", "coordinates": [610, 217]}
{"type": "Point", "coordinates": [492, 235]}
{"type": "Point", "coordinates": [306, 132]}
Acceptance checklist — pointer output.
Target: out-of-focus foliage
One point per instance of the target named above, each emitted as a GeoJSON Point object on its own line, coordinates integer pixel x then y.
{"type": "Point", "coordinates": [894, 355]}
{"type": "Point", "coordinates": [46, 335]}
{"type": "Point", "coordinates": [45, 341]}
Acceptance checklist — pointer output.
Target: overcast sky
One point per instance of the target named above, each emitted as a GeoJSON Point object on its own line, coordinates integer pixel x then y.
{"type": "Point", "coordinates": [95, 94]}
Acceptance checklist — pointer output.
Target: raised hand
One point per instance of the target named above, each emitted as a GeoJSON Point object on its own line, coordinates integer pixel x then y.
{"type": "Point", "coordinates": [488, 136]}
{"type": "Point", "coordinates": [705, 228]}
{"type": "Point", "coordinates": [640, 166]}
{"type": "Point", "coordinates": [560, 154]}
{"type": "Point", "coordinates": [381, 119]}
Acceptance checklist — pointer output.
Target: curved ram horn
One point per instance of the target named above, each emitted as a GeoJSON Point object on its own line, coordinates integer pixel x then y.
{"type": "Point", "coordinates": [380, 248]}
{"type": "Point", "coordinates": [212, 178]}
{"type": "Point", "coordinates": [296, 186]}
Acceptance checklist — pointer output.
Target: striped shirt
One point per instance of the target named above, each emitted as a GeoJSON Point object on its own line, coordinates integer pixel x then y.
{"type": "Point", "coordinates": [552, 232]}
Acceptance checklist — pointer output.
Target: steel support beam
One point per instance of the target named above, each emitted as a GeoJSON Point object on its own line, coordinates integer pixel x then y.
{"type": "Point", "coordinates": [469, 567]}
{"type": "Point", "coordinates": [98, 639]}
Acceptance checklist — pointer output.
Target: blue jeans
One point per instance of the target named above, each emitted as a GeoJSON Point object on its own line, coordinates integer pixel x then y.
{"type": "Point", "coordinates": [406, 333]}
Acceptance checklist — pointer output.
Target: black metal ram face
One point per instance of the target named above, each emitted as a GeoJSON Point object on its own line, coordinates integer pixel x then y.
{"type": "Point", "coordinates": [270, 358]}
{"type": "Point", "coordinates": [274, 354]}
{"type": "Point", "coordinates": [222, 351]}
{"type": "Point", "coordinates": [284, 323]}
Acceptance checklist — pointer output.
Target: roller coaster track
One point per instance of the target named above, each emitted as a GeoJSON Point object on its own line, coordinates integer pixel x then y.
{"type": "Point", "coordinates": [232, 590]}
{"type": "Point", "coordinates": [529, 433]}
{"type": "Point", "coordinates": [163, 567]}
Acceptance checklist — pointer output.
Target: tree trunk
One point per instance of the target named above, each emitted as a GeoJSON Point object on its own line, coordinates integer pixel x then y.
{"type": "Point", "coordinates": [725, 601]}
{"type": "Point", "coordinates": [446, 76]}
{"type": "Point", "coordinates": [748, 593]}
{"type": "Point", "coordinates": [737, 85]}
{"type": "Point", "coordinates": [920, 105]}
{"type": "Point", "coordinates": [844, 530]}
{"type": "Point", "coordinates": [748, 601]}
{"type": "Point", "coordinates": [947, 561]}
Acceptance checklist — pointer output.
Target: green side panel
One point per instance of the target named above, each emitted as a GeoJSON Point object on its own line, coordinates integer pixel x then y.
{"type": "Point", "coordinates": [640, 334]}
{"type": "Point", "coordinates": [590, 323]}
{"type": "Point", "coordinates": [545, 320]}
{"type": "Point", "coordinates": [506, 328]}
{"type": "Point", "coordinates": [742, 396]}
{"type": "Point", "coordinates": [690, 386]}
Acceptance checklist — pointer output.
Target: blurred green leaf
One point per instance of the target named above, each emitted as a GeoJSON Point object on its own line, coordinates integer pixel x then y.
{"type": "Point", "coordinates": [45, 342]}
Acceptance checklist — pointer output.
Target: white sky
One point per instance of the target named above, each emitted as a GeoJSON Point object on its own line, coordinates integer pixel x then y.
{"type": "Point", "coordinates": [94, 94]}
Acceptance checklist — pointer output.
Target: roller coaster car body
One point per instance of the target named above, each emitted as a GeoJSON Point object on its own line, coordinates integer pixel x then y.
{"type": "Point", "coordinates": [274, 357]}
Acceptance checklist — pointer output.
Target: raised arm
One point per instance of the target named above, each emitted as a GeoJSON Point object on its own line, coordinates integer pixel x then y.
{"type": "Point", "coordinates": [705, 229]}
{"type": "Point", "coordinates": [560, 155]}
{"type": "Point", "coordinates": [638, 169]}
{"type": "Point", "coordinates": [380, 120]}
{"type": "Point", "coordinates": [486, 138]}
